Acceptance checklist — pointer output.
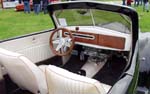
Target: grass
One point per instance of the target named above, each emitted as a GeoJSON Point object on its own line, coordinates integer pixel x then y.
{"type": "Point", "coordinates": [18, 23]}
{"type": "Point", "coordinates": [144, 19]}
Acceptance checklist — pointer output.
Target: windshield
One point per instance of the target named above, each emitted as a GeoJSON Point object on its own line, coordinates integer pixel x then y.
{"type": "Point", "coordinates": [93, 17]}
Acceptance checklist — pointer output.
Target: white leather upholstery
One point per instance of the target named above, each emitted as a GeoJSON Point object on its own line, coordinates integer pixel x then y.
{"type": "Point", "coordinates": [43, 68]}
{"type": "Point", "coordinates": [106, 87]}
{"type": "Point", "coordinates": [23, 72]}
{"type": "Point", "coordinates": [61, 81]}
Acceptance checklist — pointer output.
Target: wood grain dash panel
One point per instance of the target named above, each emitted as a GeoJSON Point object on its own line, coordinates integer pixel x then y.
{"type": "Point", "coordinates": [99, 39]}
{"type": "Point", "coordinates": [111, 41]}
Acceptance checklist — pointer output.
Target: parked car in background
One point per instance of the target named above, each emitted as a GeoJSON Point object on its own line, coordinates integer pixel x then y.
{"type": "Point", "coordinates": [20, 7]}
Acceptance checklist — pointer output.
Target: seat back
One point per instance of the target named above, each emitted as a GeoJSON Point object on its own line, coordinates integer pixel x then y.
{"type": "Point", "coordinates": [61, 81]}
{"type": "Point", "coordinates": [23, 72]}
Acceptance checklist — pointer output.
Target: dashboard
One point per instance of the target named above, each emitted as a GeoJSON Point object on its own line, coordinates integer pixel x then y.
{"type": "Point", "coordinates": [98, 39]}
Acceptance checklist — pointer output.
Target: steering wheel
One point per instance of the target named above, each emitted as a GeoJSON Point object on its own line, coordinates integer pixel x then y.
{"type": "Point", "coordinates": [61, 41]}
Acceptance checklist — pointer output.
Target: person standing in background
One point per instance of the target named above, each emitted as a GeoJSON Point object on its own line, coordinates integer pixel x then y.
{"type": "Point", "coordinates": [146, 5]}
{"type": "Point", "coordinates": [123, 2]}
{"type": "Point", "coordinates": [140, 2]}
{"type": "Point", "coordinates": [129, 2]}
{"type": "Point", "coordinates": [26, 6]}
{"type": "Point", "coordinates": [136, 3]}
{"type": "Point", "coordinates": [36, 5]}
{"type": "Point", "coordinates": [20, 1]}
{"type": "Point", "coordinates": [41, 5]}
{"type": "Point", "coordinates": [45, 3]}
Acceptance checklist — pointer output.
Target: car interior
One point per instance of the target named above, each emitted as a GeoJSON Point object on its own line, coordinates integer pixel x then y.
{"type": "Point", "coordinates": [76, 57]}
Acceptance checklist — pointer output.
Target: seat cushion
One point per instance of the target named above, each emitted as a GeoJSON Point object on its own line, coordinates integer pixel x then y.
{"type": "Point", "coordinates": [61, 81]}
{"type": "Point", "coordinates": [23, 72]}
{"type": "Point", "coordinates": [43, 68]}
{"type": "Point", "coordinates": [106, 87]}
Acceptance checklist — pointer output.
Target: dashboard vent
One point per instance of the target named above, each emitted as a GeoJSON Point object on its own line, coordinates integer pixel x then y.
{"type": "Point", "coordinates": [78, 35]}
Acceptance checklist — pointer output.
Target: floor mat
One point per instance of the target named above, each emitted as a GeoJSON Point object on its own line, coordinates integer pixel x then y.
{"type": "Point", "coordinates": [56, 60]}
{"type": "Point", "coordinates": [111, 71]}
{"type": "Point", "coordinates": [74, 64]}
{"type": "Point", "coordinates": [12, 88]}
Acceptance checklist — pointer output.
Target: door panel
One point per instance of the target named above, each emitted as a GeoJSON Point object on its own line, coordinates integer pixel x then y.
{"type": "Point", "coordinates": [35, 47]}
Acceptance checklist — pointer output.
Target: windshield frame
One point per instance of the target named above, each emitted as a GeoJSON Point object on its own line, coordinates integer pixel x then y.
{"type": "Point", "coordinates": [93, 17]}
